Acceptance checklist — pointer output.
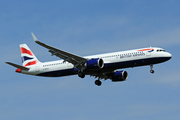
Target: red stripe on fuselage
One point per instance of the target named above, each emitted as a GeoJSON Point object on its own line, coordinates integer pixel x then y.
{"type": "Point", "coordinates": [31, 63]}
{"type": "Point", "coordinates": [146, 49]}
{"type": "Point", "coordinates": [24, 50]}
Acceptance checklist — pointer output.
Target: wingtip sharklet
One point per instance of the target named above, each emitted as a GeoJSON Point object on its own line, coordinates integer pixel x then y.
{"type": "Point", "coordinates": [34, 37]}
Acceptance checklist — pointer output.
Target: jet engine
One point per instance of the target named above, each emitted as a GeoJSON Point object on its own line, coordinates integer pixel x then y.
{"type": "Point", "coordinates": [119, 76]}
{"type": "Point", "coordinates": [94, 64]}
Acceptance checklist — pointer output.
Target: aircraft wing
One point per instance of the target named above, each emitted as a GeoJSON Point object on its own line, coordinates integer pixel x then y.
{"type": "Point", "coordinates": [77, 61]}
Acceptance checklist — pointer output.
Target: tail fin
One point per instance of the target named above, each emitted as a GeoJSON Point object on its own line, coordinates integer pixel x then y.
{"type": "Point", "coordinates": [28, 58]}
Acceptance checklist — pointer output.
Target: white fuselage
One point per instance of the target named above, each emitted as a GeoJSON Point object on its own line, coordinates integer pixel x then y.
{"type": "Point", "coordinates": [115, 60]}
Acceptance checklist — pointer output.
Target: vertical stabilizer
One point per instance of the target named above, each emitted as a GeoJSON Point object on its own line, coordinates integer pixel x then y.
{"type": "Point", "coordinates": [28, 58]}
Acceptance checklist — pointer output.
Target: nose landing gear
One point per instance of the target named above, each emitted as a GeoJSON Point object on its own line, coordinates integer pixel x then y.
{"type": "Point", "coordinates": [152, 71]}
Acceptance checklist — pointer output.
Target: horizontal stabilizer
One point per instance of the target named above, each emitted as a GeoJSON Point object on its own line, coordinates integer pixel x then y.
{"type": "Point", "coordinates": [17, 66]}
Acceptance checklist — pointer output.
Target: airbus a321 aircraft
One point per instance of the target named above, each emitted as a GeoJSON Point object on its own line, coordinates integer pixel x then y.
{"type": "Point", "coordinates": [102, 66]}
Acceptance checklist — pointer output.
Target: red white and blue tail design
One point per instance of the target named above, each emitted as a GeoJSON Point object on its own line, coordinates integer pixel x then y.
{"type": "Point", "coordinates": [28, 58]}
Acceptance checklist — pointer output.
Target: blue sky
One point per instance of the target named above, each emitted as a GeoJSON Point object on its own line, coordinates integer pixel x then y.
{"type": "Point", "coordinates": [87, 27]}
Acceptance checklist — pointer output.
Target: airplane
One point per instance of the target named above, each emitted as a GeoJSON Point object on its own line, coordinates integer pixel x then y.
{"type": "Point", "coordinates": [101, 66]}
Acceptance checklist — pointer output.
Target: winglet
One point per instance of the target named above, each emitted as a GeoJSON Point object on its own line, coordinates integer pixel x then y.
{"type": "Point", "coordinates": [34, 37]}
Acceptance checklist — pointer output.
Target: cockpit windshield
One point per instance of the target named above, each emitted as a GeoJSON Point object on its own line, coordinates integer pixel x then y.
{"type": "Point", "coordinates": [161, 50]}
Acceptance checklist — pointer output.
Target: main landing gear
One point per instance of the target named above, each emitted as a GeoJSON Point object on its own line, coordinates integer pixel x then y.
{"type": "Point", "coordinates": [152, 71]}
{"type": "Point", "coordinates": [81, 74]}
{"type": "Point", "coordinates": [98, 82]}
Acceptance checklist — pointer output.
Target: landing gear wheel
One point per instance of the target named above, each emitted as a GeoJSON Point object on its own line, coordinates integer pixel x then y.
{"type": "Point", "coordinates": [152, 71]}
{"type": "Point", "coordinates": [81, 75]}
{"type": "Point", "coordinates": [98, 82]}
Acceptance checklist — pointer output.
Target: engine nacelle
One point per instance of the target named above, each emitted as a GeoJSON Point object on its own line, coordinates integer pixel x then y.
{"type": "Point", "coordinates": [94, 64]}
{"type": "Point", "coordinates": [119, 76]}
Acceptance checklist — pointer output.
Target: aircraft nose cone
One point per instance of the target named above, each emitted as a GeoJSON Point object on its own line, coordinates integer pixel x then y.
{"type": "Point", "coordinates": [168, 55]}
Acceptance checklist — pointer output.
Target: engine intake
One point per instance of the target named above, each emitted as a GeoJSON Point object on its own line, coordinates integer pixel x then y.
{"type": "Point", "coordinates": [94, 64]}
{"type": "Point", "coordinates": [119, 76]}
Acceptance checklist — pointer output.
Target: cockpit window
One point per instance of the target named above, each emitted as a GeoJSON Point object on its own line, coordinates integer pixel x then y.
{"type": "Point", "coordinates": [161, 50]}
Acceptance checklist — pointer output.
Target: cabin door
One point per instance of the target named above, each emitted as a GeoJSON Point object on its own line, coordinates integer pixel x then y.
{"type": "Point", "coordinates": [148, 53]}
